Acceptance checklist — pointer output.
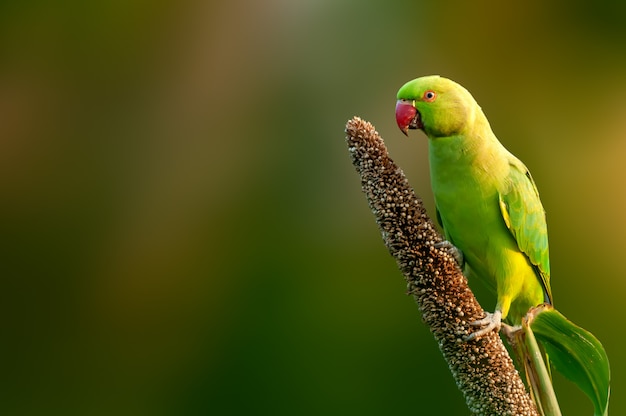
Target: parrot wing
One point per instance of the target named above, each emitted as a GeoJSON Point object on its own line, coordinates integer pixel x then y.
{"type": "Point", "coordinates": [526, 220]}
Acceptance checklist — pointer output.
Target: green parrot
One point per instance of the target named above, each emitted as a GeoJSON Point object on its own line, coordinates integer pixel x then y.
{"type": "Point", "coordinates": [486, 199]}
{"type": "Point", "coordinates": [495, 225]}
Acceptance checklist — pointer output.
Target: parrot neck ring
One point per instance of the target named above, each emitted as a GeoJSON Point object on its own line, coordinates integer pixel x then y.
{"type": "Point", "coordinates": [407, 116]}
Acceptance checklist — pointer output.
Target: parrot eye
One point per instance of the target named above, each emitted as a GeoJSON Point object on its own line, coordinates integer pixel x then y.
{"type": "Point", "coordinates": [429, 96]}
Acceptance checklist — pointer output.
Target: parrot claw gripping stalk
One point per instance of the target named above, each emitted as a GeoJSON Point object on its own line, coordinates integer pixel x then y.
{"type": "Point", "coordinates": [510, 332]}
{"type": "Point", "coordinates": [491, 322]}
{"type": "Point", "coordinates": [452, 250]}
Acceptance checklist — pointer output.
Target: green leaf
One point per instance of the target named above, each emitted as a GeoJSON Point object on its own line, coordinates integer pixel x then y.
{"type": "Point", "coordinates": [576, 354]}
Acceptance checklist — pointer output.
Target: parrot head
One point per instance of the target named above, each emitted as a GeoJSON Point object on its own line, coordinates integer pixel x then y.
{"type": "Point", "coordinates": [438, 106]}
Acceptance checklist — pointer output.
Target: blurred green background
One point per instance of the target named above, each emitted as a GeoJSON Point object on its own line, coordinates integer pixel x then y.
{"type": "Point", "coordinates": [183, 232]}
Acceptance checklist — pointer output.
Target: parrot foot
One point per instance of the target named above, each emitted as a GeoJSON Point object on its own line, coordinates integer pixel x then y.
{"type": "Point", "coordinates": [511, 332]}
{"type": "Point", "coordinates": [452, 250]}
{"type": "Point", "coordinates": [492, 322]}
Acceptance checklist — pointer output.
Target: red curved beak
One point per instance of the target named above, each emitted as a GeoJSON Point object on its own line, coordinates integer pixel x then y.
{"type": "Point", "coordinates": [405, 114]}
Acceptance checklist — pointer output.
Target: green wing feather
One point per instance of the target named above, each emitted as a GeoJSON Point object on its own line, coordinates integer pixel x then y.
{"type": "Point", "coordinates": [526, 220]}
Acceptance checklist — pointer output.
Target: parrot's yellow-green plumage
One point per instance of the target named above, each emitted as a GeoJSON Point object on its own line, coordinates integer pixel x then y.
{"type": "Point", "coordinates": [486, 200]}
{"type": "Point", "coordinates": [489, 208]}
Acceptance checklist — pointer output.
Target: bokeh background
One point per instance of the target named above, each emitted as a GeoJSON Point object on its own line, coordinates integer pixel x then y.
{"type": "Point", "coordinates": [183, 232]}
